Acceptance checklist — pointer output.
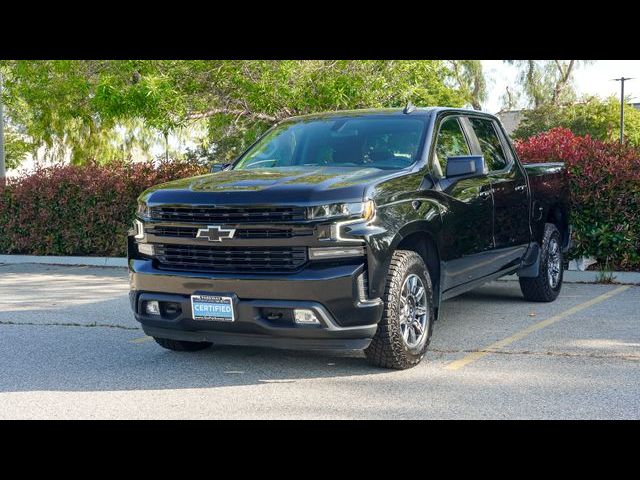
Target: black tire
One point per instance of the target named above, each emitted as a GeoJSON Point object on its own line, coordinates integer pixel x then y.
{"type": "Point", "coordinates": [388, 348]}
{"type": "Point", "coordinates": [181, 345]}
{"type": "Point", "coordinates": [542, 288]}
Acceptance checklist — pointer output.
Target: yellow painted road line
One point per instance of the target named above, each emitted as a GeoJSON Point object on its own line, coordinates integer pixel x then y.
{"type": "Point", "coordinates": [141, 340]}
{"type": "Point", "coordinates": [472, 357]}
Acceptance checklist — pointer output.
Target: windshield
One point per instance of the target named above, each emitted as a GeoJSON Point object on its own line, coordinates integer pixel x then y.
{"type": "Point", "coordinates": [378, 142]}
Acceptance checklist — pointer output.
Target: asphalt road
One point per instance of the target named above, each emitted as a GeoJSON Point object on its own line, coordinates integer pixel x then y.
{"type": "Point", "coordinates": [69, 348]}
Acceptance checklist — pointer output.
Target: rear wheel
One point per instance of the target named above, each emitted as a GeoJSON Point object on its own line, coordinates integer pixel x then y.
{"type": "Point", "coordinates": [404, 331]}
{"type": "Point", "coordinates": [546, 286]}
{"type": "Point", "coordinates": [181, 345]}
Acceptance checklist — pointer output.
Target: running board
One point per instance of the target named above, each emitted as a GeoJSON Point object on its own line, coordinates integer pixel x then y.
{"type": "Point", "coordinates": [465, 287]}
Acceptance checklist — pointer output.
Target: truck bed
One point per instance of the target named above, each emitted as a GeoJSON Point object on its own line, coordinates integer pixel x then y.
{"type": "Point", "coordinates": [549, 196]}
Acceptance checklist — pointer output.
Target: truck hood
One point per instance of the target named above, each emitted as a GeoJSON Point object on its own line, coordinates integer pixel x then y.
{"type": "Point", "coordinates": [287, 185]}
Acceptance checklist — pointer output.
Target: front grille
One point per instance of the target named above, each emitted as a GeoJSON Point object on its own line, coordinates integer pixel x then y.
{"type": "Point", "coordinates": [230, 259]}
{"type": "Point", "coordinates": [244, 233]}
{"type": "Point", "coordinates": [271, 233]}
{"type": "Point", "coordinates": [228, 215]}
{"type": "Point", "coordinates": [184, 232]}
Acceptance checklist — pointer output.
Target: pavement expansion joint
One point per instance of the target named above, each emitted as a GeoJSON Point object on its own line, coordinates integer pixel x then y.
{"type": "Point", "coordinates": [540, 353]}
{"type": "Point", "coordinates": [69, 324]}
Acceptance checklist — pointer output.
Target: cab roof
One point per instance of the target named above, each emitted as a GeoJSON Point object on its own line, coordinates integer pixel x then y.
{"type": "Point", "coordinates": [367, 112]}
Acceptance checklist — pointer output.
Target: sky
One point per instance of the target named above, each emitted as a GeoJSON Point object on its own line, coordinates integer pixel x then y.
{"type": "Point", "coordinates": [594, 79]}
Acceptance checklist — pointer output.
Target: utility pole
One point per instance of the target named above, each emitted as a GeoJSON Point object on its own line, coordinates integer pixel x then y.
{"type": "Point", "coordinates": [622, 80]}
{"type": "Point", "coordinates": [2, 164]}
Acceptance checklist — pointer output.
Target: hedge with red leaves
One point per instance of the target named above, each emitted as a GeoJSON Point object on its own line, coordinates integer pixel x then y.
{"type": "Point", "coordinates": [70, 210]}
{"type": "Point", "coordinates": [605, 190]}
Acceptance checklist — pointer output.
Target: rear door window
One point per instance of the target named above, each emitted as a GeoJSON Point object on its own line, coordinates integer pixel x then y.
{"type": "Point", "coordinates": [490, 144]}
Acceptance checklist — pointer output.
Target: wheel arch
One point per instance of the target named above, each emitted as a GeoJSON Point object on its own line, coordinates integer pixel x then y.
{"type": "Point", "coordinates": [558, 214]}
{"type": "Point", "coordinates": [419, 239]}
{"type": "Point", "coordinates": [424, 245]}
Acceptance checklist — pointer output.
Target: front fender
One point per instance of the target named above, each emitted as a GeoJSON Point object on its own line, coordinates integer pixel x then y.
{"type": "Point", "coordinates": [395, 222]}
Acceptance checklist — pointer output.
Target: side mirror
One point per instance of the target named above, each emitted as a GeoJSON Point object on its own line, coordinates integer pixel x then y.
{"type": "Point", "coordinates": [218, 167]}
{"type": "Point", "coordinates": [466, 166]}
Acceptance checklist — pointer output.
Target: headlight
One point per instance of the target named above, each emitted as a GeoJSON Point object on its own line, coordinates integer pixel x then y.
{"type": "Point", "coordinates": [138, 228]}
{"type": "Point", "coordinates": [360, 210]}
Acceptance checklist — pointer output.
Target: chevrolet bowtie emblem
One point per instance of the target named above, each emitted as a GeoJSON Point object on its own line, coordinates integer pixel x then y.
{"type": "Point", "coordinates": [215, 233]}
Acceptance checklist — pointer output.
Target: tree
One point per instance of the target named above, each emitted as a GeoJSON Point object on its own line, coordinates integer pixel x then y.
{"type": "Point", "coordinates": [61, 105]}
{"type": "Point", "coordinates": [562, 80]}
{"type": "Point", "coordinates": [262, 93]}
{"type": "Point", "coordinates": [592, 115]}
{"type": "Point", "coordinates": [509, 100]}
{"type": "Point", "coordinates": [15, 148]}
{"type": "Point", "coordinates": [547, 82]}
{"type": "Point", "coordinates": [84, 106]}
{"type": "Point", "coordinates": [469, 77]}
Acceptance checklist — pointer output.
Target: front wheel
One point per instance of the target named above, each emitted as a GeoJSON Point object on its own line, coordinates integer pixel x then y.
{"type": "Point", "coordinates": [404, 331]}
{"type": "Point", "coordinates": [546, 286]}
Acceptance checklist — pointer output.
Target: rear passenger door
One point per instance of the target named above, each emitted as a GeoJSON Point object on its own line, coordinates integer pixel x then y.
{"type": "Point", "coordinates": [510, 192]}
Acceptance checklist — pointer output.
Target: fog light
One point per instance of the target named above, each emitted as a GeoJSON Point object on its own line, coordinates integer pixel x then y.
{"type": "Point", "coordinates": [152, 307]}
{"type": "Point", "coordinates": [146, 249]}
{"type": "Point", "coordinates": [302, 315]}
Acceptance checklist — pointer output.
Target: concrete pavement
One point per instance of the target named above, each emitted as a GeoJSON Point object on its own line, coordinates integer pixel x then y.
{"type": "Point", "coordinates": [69, 348]}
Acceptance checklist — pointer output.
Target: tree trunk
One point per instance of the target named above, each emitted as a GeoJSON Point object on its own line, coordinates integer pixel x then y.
{"type": "Point", "coordinates": [166, 146]}
{"type": "Point", "coordinates": [565, 75]}
{"type": "Point", "coordinates": [531, 81]}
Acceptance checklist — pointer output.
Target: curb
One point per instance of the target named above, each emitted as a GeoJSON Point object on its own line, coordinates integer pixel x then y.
{"type": "Point", "coordinates": [55, 260]}
{"type": "Point", "coordinates": [576, 276]}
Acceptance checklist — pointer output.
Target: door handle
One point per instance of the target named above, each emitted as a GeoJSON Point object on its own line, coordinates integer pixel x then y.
{"type": "Point", "coordinates": [485, 193]}
{"type": "Point", "coordinates": [520, 188]}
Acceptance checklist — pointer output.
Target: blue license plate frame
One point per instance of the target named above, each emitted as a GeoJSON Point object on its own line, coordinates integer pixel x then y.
{"type": "Point", "coordinates": [217, 308]}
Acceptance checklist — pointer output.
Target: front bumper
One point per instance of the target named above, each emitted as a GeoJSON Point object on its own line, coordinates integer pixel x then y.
{"type": "Point", "coordinates": [347, 319]}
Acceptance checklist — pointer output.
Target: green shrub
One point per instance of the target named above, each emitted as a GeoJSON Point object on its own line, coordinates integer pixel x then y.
{"type": "Point", "coordinates": [595, 117]}
{"type": "Point", "coordinates": [605, 190]}
{"type": "Point", "coordinates": [71, 210]}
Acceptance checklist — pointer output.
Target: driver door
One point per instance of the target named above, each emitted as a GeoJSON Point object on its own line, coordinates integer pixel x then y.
{"type": "Point", "coordinates": [467, 220]}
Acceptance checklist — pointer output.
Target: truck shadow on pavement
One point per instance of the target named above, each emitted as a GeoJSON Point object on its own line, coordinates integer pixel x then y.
{"type": "Point", "coordinates": [45, 357]}
{"type": "Point", "coordinates": [148, 367]}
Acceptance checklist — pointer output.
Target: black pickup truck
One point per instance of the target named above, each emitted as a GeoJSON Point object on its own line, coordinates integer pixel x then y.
{"type": "Point", "coordinates": [346, 230]}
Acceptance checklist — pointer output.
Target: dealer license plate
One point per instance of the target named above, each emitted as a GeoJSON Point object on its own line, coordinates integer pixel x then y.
{"type": "Point", "coordinates": [212, 307]}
